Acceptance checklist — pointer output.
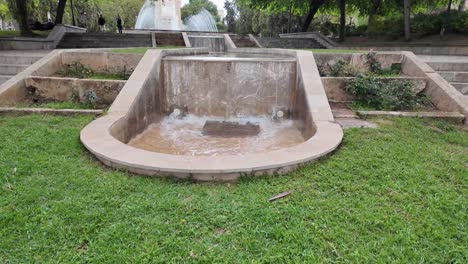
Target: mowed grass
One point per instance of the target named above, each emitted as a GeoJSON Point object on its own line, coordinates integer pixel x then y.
{"type": "Point", "coordinates": [57, 105]}
{"type": "Point", "coordinates": [393, 194]}
{"type": "Point", "coordinates": [14, 33]}
{"type": "Point", "coordinates": [143, 50]}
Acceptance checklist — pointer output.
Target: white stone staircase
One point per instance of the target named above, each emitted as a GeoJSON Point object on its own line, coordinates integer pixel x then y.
{"type": "Point", "coordinates": [454, 69]}
{"type": "Point", "coordinates": [14, 62]}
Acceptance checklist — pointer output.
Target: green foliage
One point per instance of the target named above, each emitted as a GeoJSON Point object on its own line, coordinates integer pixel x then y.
{"type": "Point", "coordinates": [61, 105]}
{"type": "Point", "coordinates": [91, 99]}
{"type": "Point", "coordinates": [4, 10]}
{"type": "Point", "coordinates": [375, 67]}
{"type": "Point", "coordinates": [432, 23]}
{"type": "Point", "coordinates": [75, 70]}
{"type": "Point", "coordinates": [393, 194]}
{"type": "Point", "coordinates": [231, 15]}
{"type": "Point", "coordinates": [195, 6]}
{"type": "Point", "coordinates": [78, 70]}
{"type": "Point", "coordinates": [390, 27]}
{"type": "Point", "coordinates": [343, 69]}
{"type": "Point", "coordinates": [384, 94]}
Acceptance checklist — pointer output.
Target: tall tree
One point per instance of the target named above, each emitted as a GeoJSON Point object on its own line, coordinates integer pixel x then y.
{"type": "Point", "coordinates": [313, 9]}
{"type": "Point", "coordinates": [342, 19]}
{"type": "Point", "coordinates": [407, 14]}
{"type": "Point", "coordinates": [60, 11]}
{"type": "Point", "coordinates": [376, 4]}
{"type": "Point", "coordinates": [20, 13]}
{"type": "Point", "coordinates": [462, 5]}
{"type": "Point", "coordinates": [308, 8]}
{"type": "Point", "coordinates": [230, 18]}
{"type": "Point", "coordinates": [5, 13]}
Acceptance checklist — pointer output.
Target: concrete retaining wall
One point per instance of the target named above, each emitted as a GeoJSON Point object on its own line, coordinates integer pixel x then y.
{"type": "Point", "coordinates": [97, 61]}
{"type": "Point", "coordinates": [289, 43]}
{"type": "Point", "coordinates": [45, 89]}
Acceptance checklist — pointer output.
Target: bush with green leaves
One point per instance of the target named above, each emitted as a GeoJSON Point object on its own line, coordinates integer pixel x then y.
{"type": "Point", "coordinates": [343, 69]}
{"type": "Point", "coordinates": [375, 67]}
{"type": "Point", "coordinates": [384, 94]}
{"type": "Point", "coordinates": [76, 70]}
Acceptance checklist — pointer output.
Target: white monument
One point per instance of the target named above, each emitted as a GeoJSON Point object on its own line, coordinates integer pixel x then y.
{"type": "Point", "coordinates": [160, 15]}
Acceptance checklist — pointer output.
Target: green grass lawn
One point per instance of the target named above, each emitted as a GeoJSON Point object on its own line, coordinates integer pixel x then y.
{"type": "Point", "coordinates": [393, 194]}
{"type": "Point", "coordinates": [58, 105]}
{"type": "Point", "coordinates": [14, 33]}
{"type": "Point", "coordinates": [143, 50]}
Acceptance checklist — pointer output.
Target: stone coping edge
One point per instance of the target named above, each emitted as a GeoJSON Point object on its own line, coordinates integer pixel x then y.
{"type": "Point", "coordinates": [97, 137]}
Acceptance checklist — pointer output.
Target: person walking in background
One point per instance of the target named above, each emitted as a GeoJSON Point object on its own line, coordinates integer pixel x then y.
{"type": "Point", "coordinates": [102, 23]}
{"type": "Point", "coordinates": [119, 24]}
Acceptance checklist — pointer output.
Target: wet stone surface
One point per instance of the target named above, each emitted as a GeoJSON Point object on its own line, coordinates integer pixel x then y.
{"type": "Point", "coordinates": [211, 136]}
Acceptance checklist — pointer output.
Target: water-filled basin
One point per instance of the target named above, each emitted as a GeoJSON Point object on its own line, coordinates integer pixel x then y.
{"type": "Point", "coordinates": [277, 93]}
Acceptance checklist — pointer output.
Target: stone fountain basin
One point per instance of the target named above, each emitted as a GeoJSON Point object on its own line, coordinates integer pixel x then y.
{"type": "Point", "coordinates": [154, 89]}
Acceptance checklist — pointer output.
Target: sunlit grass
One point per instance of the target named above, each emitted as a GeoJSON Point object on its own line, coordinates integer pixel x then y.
{"type": "Point", "coordinates": [395, 194]}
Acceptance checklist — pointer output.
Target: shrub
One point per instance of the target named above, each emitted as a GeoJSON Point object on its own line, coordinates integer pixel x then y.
{"type": "Point", "coordinates": [427, 23]}
{"type": "Point", "coordinates": [391, 27]}
{"type": "Point", "coordinates": [91, 99]}
{"type": "Point", "coordinates": [76, 70]}
{"type": "Point", "coordinates": [343, 69]}
{"type": "Point", "coordinates": [384, 94]}
{"type": "Point", "coordinates": [375, 67]}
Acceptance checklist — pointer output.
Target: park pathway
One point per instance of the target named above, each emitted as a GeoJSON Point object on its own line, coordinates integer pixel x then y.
{"type": "Point", "coordinates": [15, 61]}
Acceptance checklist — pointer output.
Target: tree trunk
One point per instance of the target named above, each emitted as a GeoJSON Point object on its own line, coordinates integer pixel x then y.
{"type": "Point", "coordinates": [3, 23]}
{"type": "Point", "coordinates": [342, 19]}
{"type": "Point", "coordinates": [375, 7]}
{"type": "Point", "coordinates": [22, 16]}
{"type": "Point", "coordinates": [313, 8]}
{"type": "Point", "coordinates": [72, 12]}
{"type": "Point", "coordinates": [60, 11]}
{"type": "Point", "coordinates": [462, 6]}
{"type": "Point", "coordinates": [407, 12]}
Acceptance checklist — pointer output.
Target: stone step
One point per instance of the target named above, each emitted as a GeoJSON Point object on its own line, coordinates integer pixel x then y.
{"type": "Point", "coordinates": [449, 66]}
{"type": "Point", "coordinates": [452, 76]}
{"type": "Point", "coordinates": [19, 59]}
{"type": "Point", "coordinates": [11, 69]}
{"type": "Point", "coordinates": [4, 78]}
{"type": "Point", "coordinates": [462, 87]}
{"type": "Point", "coordinates": [102, 45]}
{"type": "Point", "coordinates": [103, 42]}
{"type": "Point", "coordinates": [100, 34]}
{"type": "Point", "coordinates": [117, 38]}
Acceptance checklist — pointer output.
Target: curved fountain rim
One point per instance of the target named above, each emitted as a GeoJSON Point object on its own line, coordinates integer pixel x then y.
{"type": "Point", "coordinates": [98, 139]}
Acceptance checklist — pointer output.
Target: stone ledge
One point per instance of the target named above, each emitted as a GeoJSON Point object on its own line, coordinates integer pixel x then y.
{"type": "Point", "coordinates": [450, 116]}
{"type": "Point", "coordinates": [49, 111]}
